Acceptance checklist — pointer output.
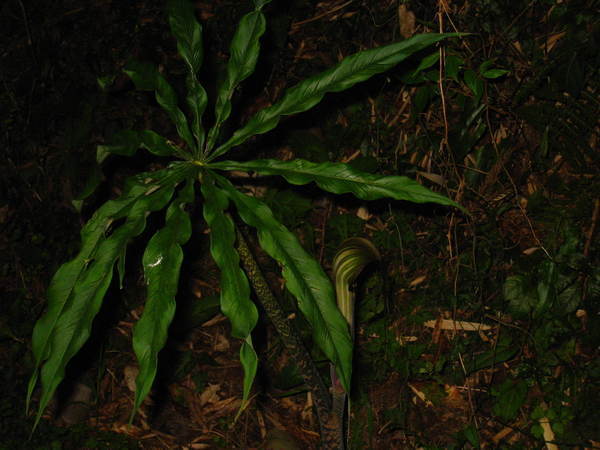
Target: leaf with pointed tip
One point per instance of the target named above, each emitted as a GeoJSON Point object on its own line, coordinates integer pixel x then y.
{"type": "Point", "coordinates": [147, 78]}
{"type": "Point", "coordinates": [162, 264]}
{"type": "Point", "coordinates": [304, 278]}
{"type": "Point", "coordinates": [67, 331]}
{"type": "Point", "coordinates": [259, 4]}
{"type": "Point", "coordinates": [351, 70]}
{"type": "Point", "coordinates": [188, 33]}
{"type": "Point", "coordinates": [340, 178]}
{"type": "Point", "coordinates": [249, 361]}
{"type": "Point", "coordinates": [76, 291]}
{"type": "Point", "coordinates": [127, 142]}
{"type": "Point", "coordinates": [196, 100]}
{"type": "Point", "coordinates": [245, 47]}
{"type": "Point", "coordinates": [235, 290]}
{"type": "Point", "coordinates": [63, 282]}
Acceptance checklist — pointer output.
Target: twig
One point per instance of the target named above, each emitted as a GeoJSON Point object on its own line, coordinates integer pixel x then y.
{"type": "Point", "coordinates": [590, 235]}
{"type": "Point", "coordinates": [320, 16]}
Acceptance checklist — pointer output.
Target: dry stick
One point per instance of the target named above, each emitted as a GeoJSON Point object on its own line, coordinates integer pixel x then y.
{"type": "Point", "coordinates": [320, 16]}
{"type": "Point", "coordinates": [328, 422]}
{"type": "Point", "coordinates": [588, 244]}
{"type": "Point", "coordinates": [590, 233]}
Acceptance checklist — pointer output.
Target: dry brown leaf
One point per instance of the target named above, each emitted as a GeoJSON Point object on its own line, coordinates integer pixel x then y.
{"type": "Point", "coordinates": [457, 325]}
{"type": "Point", "coordinates": [130, 373]}
{"type": "Point", "coordinates": [552, 40]}
{"type": "Point", "coordinates": [210, 394]}
{"type": "Point", "coordinates": [433, 177]}
{"type": "Point", "coordinates": [407, 21]}
{"type": "Point", "coordinates": [417, 281]}
{"type": "Point", "coordinates": [221, 343]}
{"type": "Point", "coordinates": [363, 213]}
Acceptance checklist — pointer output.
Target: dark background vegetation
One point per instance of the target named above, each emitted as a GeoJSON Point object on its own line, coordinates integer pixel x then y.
{"type": "Point", "coordinates": [510, 132]}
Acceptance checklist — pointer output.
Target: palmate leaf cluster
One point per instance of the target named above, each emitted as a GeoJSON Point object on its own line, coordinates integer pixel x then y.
{"type": "Point", "coordinates": [77, 289]}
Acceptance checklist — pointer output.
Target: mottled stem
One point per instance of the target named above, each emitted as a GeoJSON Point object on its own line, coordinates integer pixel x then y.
{"type": "Point", "coordinates": [328, 422]}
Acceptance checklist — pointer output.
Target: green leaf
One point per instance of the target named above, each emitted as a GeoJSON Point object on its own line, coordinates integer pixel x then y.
{"type": "Point", "coordinates": [78, 287]}
{"type": "Point", "coordinates": [92, 181]}
{"type": "Point", "coordinates": [105, 82]}
{"type": "Point", "coordinates": [196, 100]}
{"type": "Point", "coordinates": [510, 396]}
{"type": "Point", "coordinates": [147, 78]}
{"type": "Point", "coordinates": [452, 65]}
{"type": "Point", "coordinates": [187, 31]}
{"type": "Point", "coordinates": [546, 288]}
{"type": "Point", "coordinates": [162, 264]}
{"type": "Point", "coordinates": [472, 435]}
{"type": "Point", "coordinates": [158, 145]}
{"type": "Point", "coordinates": [422, 97]}
{"type": "Point", "coordinates": [127, 142]}
{"type": "Point", "coordinates": [474, 83]}
{"type": "Point", "coordinates": [288, 206]}
{"type": "Point", "coordinates": [494, 73]}
{"type": "Point", "coordinates": [340, 178]}
{"type": "Point", "coordinates": [426, 63]}
{"type": "Point", "coordinates": [304, 278]}
{"type": "Point", "coordinates": [485, 65]}
{"type": "Point", "coordinates": [521, 295]}
{"type": "Point", "coordinates": [504, 350]}
{"type": "Point", "coordinates": [249, 361]}
{"type": "Point", "coordinates": [351, 70]}
{"type": "Point", "coordinates": [245, 47]}
{"type": "Point", "coordinates": [76, 291]}
{"type": "Point", "coordinates": [259, 4]}
{"type": "Point", "coordinates": [235, 290]}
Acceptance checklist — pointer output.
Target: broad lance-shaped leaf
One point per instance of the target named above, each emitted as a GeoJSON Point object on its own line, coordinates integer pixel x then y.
{"type": "Point", "coordinates": [249, 361]}
{"type": "Point", "coordinates": [162, 264]}
{"type": "Point", "coordinates": [78, 286]}
{"type": "Point", "coordinates": [62, 283]}
{"type": "Point", "coordinates": [147, 78]}
{"type": "Point", "coordinates": [304, 278]}
{"type": "Point", "coordinates": [245, 47]}
{"type": "Point", "coordinates": [196, 100]}
{"type": "Point", "coordinates": [127, 142]}
{"type": "Point", "coordinates": [351, 70]}
{"type": "Point", "coordinates": [188, 33]}
{"type": "Point", "coordinates": [72, 326]}
{"type": "Point", "coordinates": [340, 178]}
{"type": "Point", "coordinates": [235, 290]}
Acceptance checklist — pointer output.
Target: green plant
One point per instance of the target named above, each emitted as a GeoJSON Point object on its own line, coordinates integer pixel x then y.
{"type": "Point", "coordinates": [77, 289]}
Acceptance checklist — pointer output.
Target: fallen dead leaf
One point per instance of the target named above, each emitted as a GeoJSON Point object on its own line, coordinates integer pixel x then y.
{"type": "Point", "coordinates": [407, 21]}
{"type": "Point", "coordinates": [417, 281]}
{"type": "Point", "coordinates": [210, 394]}
{"type": "Point", "coordinates": [457, 325]}
{"type": "Point", "coordinates": [130, 373]}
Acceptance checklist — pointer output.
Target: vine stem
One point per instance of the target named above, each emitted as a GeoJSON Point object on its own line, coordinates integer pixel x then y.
{"type": "Point", "coordinates": [328, 422]}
